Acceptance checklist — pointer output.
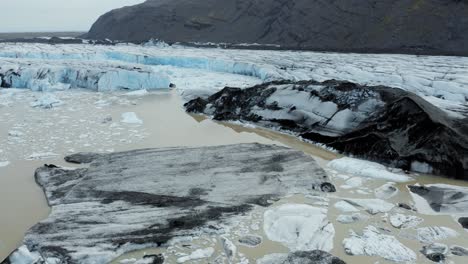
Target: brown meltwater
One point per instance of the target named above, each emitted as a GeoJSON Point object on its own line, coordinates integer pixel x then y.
{"type": "Point", "coordinates": [39, 136]}
{"type": "Point", "coordinates": [89, 121]}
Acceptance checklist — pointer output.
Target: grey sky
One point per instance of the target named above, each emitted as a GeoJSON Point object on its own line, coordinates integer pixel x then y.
{"type": "Point", "coordinates": [54, 15]}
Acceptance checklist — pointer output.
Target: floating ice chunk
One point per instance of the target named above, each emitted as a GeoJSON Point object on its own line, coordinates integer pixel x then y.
{"type": "Point", "coordinates": [250, 240]}
{"type": "Point", "coordinates": [386, 191]}
{"type": "Point", "coordinates": [131, 118]}
{"type": "Point", "coordinates": [435, 252]}
{"type": "Point", "coordinates": [374, 243]}
{"type": "Point", "coordinates": [15, 133]}
{"type": "Point", "coordinates": [345, 207]}
{"type": "Point", "coordinates": [43, 155]}
{"type": "Point", "coordinates": [353, 183]}
{"type": "Point", "coordinates": [367, 169]}
{"type": "Point", "coordinates": [405, 221]}
{"type": "Point", "coordinates": [421, 167]}
{"type": "Point", "coordinates": [348, 219]}
{"type": "Point", "coordinates": [299, 227]}
{"type": "Point", "coordinates": [4, 163]}
{"type": "Point", "coordinates": [128, 261]}
{"type": "Point", "coordinates": [23, 256]}
{"type": "Point", "coordinates": [432, 234]}
{"type": "Point", "coordinates": [275, 258]}
{"type": "Point", "coordinates": [372, 206]}
{"type": "Point", "coordinates": [197, 254]}
{"type": "Point", "coordinates": [47, 101]}
{"type": "Point", "coordinates": [138, 93]}
{"type": "Point", "coordinates": [229, 248]}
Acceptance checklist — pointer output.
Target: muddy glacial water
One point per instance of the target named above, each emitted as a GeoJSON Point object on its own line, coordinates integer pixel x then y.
{"type": "Point", "coordinates": [88, 121]}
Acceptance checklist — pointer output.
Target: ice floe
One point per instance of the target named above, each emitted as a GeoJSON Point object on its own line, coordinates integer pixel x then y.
{"type": "Point", "coordinates": [373, 242]}
{"type": "Point", "coordinates": [348, 219]}
{"type": "Point", "coordinates": [372, 206]}
{"type": "Point", "coordinates": [405, 221]}
{"type": "Point", "coordinates": [435, 252]}
{"type": "Point", "coordinates": [131, 118]}
{"type": "Point", "coordinates": [345, 207]}
{"type": "Point", "coordinates": [197, 254]}
{"type": "Point", "coordinates": [47, 101]}
{"type": "Point", "coordinates": [386, 191]}
{"type": "Point", "coordinates": [299, 227]}
{"type": "Point", "coordinates": [436, 233]}
{"type": "Point", "coordinates": [366, 169]}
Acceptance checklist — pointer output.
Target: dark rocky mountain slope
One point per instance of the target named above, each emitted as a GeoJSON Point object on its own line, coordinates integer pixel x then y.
{"type": "Point", "coordinates": [412, 26]}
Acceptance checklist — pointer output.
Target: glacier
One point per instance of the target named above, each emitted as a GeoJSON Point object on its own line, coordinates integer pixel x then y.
{"type": "Point", "coordinates": [46, 75]}
{"type": "Point", "coordinates": [440, 80]}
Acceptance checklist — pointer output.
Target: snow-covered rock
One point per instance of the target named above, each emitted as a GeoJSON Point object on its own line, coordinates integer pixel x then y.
{"type": "Point", "coordinates": [367, 169]}
{"type": "Point", "coordinates": [374, 243]}
{"type": "Point", "coordinates": [405, 221]}
{"type": "Point", "coordinates": [299, 227]}
{"type": "Point", "coordinates": [131, 118]}
{"type": "Point", "coordinates": [436, 233]}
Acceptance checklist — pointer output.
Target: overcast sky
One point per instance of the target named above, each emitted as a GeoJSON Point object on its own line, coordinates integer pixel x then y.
{"type": "Point", "coordinates": [54, 15]}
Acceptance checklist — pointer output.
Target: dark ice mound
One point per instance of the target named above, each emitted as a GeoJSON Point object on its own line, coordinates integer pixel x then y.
{"type": "Point", "coordinates": [379, 123]}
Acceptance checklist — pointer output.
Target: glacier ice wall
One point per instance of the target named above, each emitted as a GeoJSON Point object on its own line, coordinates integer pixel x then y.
{"type": "Point", "coordinates": [49, 75]}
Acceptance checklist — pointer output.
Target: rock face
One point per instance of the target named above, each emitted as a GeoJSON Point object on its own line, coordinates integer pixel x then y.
{"type": "Point", "coordinates": [138, 199]}
{"type": "Point", "coordinates": [379, 123]}
{"type": "Point", "coordinates": [343, 25]}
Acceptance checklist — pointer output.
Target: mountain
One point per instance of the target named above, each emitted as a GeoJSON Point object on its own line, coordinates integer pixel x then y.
{"type": "Point", "coordinates": [408, 26]}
